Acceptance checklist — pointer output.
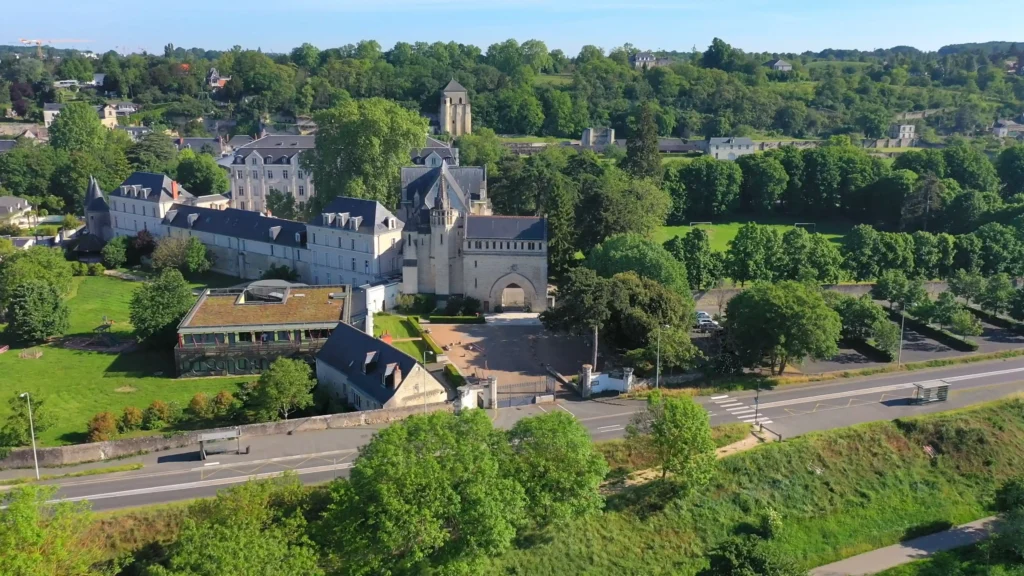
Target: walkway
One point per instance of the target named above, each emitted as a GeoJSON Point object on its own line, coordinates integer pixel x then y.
{"type": "Point", "coordinates": [917, 549]}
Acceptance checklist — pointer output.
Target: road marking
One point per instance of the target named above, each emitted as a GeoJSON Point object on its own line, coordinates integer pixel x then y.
{"type": "Point", "coordinates": [566, 409]}
{"type": "Point", "coordinates": [610, 428]}
{"type": "Point", "coordinates": [212, 464]}
{"type": "Point", "coordinates": [719, 397]}
{"type": "Point", "coordinates": [541, 408]}
{"type": "Point", "coordinates": [731, 404]}
{"type": "Point", "coordinates": [739, 409]}
{"type": "Point", "coordinates": [711, 413]}
{"type": "Point", "coordinates": [748, 421]}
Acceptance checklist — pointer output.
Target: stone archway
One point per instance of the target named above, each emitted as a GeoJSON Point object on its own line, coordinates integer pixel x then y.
{"type": "Point", "coordinates": [514, 288]}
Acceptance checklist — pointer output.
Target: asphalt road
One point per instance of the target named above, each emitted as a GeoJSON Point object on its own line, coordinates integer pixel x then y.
{"type": "Point", "coordinates": [322, 456]}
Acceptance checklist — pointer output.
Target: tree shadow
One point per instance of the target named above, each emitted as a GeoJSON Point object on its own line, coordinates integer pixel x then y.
{"type": "Point", "coordinates": [925, 529]}
{"type": "Point", "coordinates": [644, 500]}
{"type": "Point", "coordinates": [74, 437]}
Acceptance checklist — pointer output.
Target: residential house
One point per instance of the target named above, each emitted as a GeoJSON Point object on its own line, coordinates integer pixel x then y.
{"type": "Point", "coordinates": [243, 330]}
{"type": "Point", "coordinates": [902, 131]}
{"type": "Point", "coordinates": [211, 146]}
{"type": "Point", "coordinates": [107, 114]}
{"type": "Point", "coordinates": [136, 133]}
{"type": "Point", "coordinates": [215, 81]}
{"type": "Point", "coordinates": [355, 241]}
{"type": "Point", "coordinates": [728, 148]}
{"type": "Point", "coordinates": [1007, 129]}
{"type": "Point", "coordinates": [12, 207]}
{"type": "Point", "coordinates": [125, 108]}
{"type": "Point", "coordinates": [371, 374]}
{"type": "Point", "coordinates": [780, 65]}
{"type": "Point", "coordinates": [270, 163]}
{"type": "Point", "coordinates": [647, 60]}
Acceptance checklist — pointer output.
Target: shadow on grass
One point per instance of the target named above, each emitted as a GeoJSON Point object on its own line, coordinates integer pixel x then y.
{"type": "Point", "coordinates": [142, 363]}
{"type": "Point", "coordinates": [925, 529]}
{"type": "Point", "coordinates": [74, 438]}
{"type": "Point", "coordinates": [644, 500]}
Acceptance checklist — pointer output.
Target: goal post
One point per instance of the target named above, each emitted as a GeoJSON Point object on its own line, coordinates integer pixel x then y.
{"type": "Point", "coordinates": [813, 226]}
{"type": "Point", "coordinates": [695, 224]}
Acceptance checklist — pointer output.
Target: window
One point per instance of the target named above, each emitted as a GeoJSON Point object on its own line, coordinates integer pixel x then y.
{"type": "Point", "coordinates": [133, 208]}
{"type": "Point", "coordinates": [353, 244]}
{"type": "Point", "coordinates": [255, 192]}
{"type": "Point", "coordinates": [241, 190]}
{"type": "Point", "coordinates": [253, 162]}
{"type": "Point", "coordinates": [339, 263]}
{"type": "Point", "coordinates": [314, 238]}
{"type": "Point", "coordinates": [284, 174]}
{"type": "Point", "coordinates": [328, 277]}
{"type": "Point", "coordinates": [442, 240]}
{"type": "Point", "coordinates": [366, 266]}
{"type": "Point", "coordinates": [241, 205]}
{"type": "Point", "coordinates": [300, 175]}
{"type": "Point", "coordinates": [302, 190]}
{"type": "Point", "coordinates": [115, 222]}
{"type": "Point", "coordinates": [339, 245]}
{"type": "Point", "coordinates": [353, 264]}
{"type": "Point", "coordinates": [270, 174]}
{"type": "Point", "coordinates": [256, 174]}
{"type": "Point", "coordinates": [475, 283]}
{"type": "Point", "coordinates": [530, 246]}
{"type": "Point", "coordinates": [271, 249]}
{"type": "Point", "coordinates": [475, 264]}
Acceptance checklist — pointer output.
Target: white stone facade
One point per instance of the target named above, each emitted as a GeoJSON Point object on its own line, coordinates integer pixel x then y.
{"type": "Point", "coordinates": [270, 163]}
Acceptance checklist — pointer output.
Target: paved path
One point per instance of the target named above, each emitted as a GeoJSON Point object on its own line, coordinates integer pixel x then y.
{"type": "Point", "coordinates": [919, 548]}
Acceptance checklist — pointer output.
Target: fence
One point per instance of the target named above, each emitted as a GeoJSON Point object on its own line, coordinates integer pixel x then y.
{"type": "Point", "coordinates": [523, 393]}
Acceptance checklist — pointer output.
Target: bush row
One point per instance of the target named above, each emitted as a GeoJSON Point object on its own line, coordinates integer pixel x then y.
{"type": "Point", "coordinates": [454, 378]}
{"type": "Point", "coordinates": [994, 320]}
{"type": "Point", "coordinates": [106, 425]}
{"type": "Point", "coordinates": [83, 269]}
{"type": "Point", "coordinates": [457, 320]}
{"type": "Point", "coordinates": [868, 349]}
{"type": "Point", "coordinates": [942, 336]}
{"type": "Point", "coordinates": [437, 350]}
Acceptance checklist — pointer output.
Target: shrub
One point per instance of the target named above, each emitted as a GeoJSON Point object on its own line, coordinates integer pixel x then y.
{"type": "Point", "coordinates": [457, 320]}
{"type": "Point", "coordinates": [102, 427]}
{"type": "Point", "coordinates": [944, 336]}
{"type": "Point", "coordinates": [131, 419]}
{"type": "Point", "coordinates": [454, 378]}
{"type": "Point", "coordinates": [199, 407]}
{"type": "Point", "coordinates": [223, 403]}
{"type": "Point", "coordinates": [770, 523]}
{"type": "Point", "coordinates": [96, 269]}
{"type": "Point", "coordinates": [156, 416]}
{"type": "Point", "coordinates": [79, 269]}
{"type": "Point", "coordinates": [115, 253]}
{"type": "Point", "coordinates": [1010, 496]}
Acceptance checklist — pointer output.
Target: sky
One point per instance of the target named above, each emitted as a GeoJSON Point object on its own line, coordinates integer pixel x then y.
{"type": "Point", "coordinates": [279, 25]}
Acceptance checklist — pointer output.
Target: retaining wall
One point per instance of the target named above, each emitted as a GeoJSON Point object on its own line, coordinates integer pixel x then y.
{"type": "Point", "coordinates": [92, 452]}
{"type": "Point", "coordinates": [710, 300]}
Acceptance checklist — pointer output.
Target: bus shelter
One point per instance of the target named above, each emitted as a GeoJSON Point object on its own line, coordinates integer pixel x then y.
{"type": "Point", "coordinates": [931, 391]}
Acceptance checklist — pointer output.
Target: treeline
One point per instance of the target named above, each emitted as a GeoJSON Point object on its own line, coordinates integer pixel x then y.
{"type": "Point", "coordinates": [720, 92]}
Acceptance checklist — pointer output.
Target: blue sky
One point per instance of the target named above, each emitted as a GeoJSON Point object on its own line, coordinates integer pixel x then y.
{"type": "Point", "coordinates": [279, 25]}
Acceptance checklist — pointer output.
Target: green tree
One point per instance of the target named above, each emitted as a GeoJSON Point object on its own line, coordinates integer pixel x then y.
{"type": "Point", "coordinates": [582, 307]}
{"type": "Point", "coordinates": [1017, 305]}
{"type": "Point", "coordinates": [923, 162]}
{"type": "Point", "coordinates": [967, 285]}
{"type": "Point", "coordinates": [557, 464]}
{"type": "Point", "coordinates": [774, 324]}
{"type": "Point", "coordinates": [1001, 249]}
{"type": "Point", "coordinates": [77, 129]}
{"type": "Point", "coordinates": [518, 111]}
{"type": "Point", "coordinates": [996, 295]}
{"type": "Point", "coordinates": [38, 263]}
{"type": "Point", "coordinates": [197, 260]}
{"type": "Point", "coordinates": [719, 55]}
{"type": "Point", "coordinates": [614, 203]}
{"type": "Point", "coordinates": [965, 324]}
{"type": "Point", "coordinates": [970, 168]}
{"type": "Point", "coordinates": [857, 315]}
{"type": "Point", "coordinates": [764, 182]}
{"type": "Point", "coordinates": [430, 492]}
{"type": "Point", "coordinates": [923, 206]}
{"type": "Point", "coordinates": [360, 146]}
{"type": "Point", "coordinates": [713, 186]}
{"type": "Point", "coordinates": [824, 260]}
{"type": "Point", "coordinates": [285, 387]}
{"type": "Point", "coordinates": [200, 174]}
{"type": "Point", "coordinates": [115, 253]}
{"type": "Point", "coordinates": [873, 120]}
{"type": "Point", "coordinates": [926, 255]}
{"type": "Point", "coordinates": [1010, 167]}
{"type": "Point", "coordinates": [158, 306]}
{"type": "Point", "coordinates": [967, 253]}
{"type": "Point", "coordinates": [642, 159]}
{"type": "Point", "coordinates": [281, 205]}
{"type": "Point", "coordinates": [754, 255]}
{"type": "Point", "coordinates": [641, 307]}
{"type": "Point", "coordinates": [37, 311]}
{"type": "Point", "coordinates": [16, 430]}
{"type": "Point", "coordinates": [887, 336]}
{"type": "Point", "coordinates": [170, 252]}
{"type": "Point", "coordinates": [154, 152]}
{"type": "Point", "coordinates": [634, 253]}
{"type": "Point", "coordinates": [560, 208]}
{"type": "Point", "coordinates": [677, 431]}
{"type": "Point", "coordinates": [890, 286]}
{"type": "Point", "coordinates": [749, 556]}
{"type": "Point", "coordinates": [860, 252]}
{"type": "Point", "coordinates": [704, 267]}
{"type": "Point", "coordinates": [481, 148]}
{"type": "Point", "coordinates": [69, 222]}
{"type": "Point", "coordinates": [43, 537]}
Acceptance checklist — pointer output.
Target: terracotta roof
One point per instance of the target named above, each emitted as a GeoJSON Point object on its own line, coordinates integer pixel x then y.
{"type": "Point", "coordinates": [301, 305]}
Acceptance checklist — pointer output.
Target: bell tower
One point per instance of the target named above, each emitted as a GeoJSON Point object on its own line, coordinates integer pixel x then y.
{"type": "Point", "coordinates": [455, 115]}
{"type": "Point", "coordinates": [443, 242]}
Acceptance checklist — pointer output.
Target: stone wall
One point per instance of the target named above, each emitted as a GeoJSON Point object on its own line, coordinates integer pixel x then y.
{"type": "Point", "coordinates": [81, 453]}
{"type": "Point", "coordinates": [714, 301]}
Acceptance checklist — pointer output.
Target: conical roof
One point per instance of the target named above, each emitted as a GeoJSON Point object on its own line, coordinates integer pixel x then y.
{"type": "Point", "coordinates": [454, 86]}
{"type": "Point", "coordinates": [94, 199]}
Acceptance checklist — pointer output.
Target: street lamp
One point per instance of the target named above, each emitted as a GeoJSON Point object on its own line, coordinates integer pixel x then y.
{"type": "Point", "coordinates": [903, 321]}
{"type": "Point", "coordinates": [425, 352]}
{"type": "Point", "coordinates": [657, 375]}
{"type": "Point", "coordinates": [32, 430]}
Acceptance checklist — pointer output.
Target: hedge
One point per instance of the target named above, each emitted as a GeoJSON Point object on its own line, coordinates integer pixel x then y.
{"type": "Point", "coordinates": [426, 337]}
{"type": "Point", "coordinates": [454, 378]}
{"type": "Point", "coordinates": [868, 349]}
{"type": "Point", "coordinates": [994, 320]}
{"type": "Point", "coordinates": [457, 320]}
{"type": "Point", "coordinates": [943, 336]}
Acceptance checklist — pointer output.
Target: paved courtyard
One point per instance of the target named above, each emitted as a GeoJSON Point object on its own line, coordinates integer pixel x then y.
{"type": "Point", "coordinates": [511, 352]}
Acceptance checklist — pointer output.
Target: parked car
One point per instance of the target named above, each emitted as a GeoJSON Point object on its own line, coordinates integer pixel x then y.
{"type": "Point", "coordinates": [707, 325]}
{"type": "Point", "coordinates": [702, 315]}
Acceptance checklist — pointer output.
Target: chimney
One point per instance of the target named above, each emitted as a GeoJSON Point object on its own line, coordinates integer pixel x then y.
{"type": "Point", "coordinates": [386, 337]}
{"type": "Point", "coordinates": [397, 376]}
{"type": "Point", "coordinates": [174, 190]}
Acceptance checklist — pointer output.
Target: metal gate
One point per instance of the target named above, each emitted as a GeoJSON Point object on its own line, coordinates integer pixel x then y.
{"type": "Point", "coordinates": [523, 393]}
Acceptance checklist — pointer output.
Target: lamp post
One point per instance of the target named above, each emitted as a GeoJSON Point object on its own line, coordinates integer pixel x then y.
{"type": "Point", "coordinates": [757, 404]}
{"type": "Point", "coordinates": [657, 374]}
{"type": "Point", "coordinates": [32, 430]}
{"type": "Point", "coordinates": [903, 321]}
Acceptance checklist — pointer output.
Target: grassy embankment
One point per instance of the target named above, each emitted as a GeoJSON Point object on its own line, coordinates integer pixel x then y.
{"type": "Point", "coordinates": [76, 385]}
{"type": "Point", "coordinates": [722, 233]}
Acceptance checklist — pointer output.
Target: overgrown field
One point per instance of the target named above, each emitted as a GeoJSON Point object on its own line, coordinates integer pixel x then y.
{"type": "Point", "coordinates": [722, 233]}
{"type": "Point", "coordinates": [839, 493]}
{"type": "Point", "coordinates": [76, 385]}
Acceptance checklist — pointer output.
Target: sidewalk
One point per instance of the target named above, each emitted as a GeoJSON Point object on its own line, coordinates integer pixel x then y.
{"type": "Point", "coordinates": [909, 551]}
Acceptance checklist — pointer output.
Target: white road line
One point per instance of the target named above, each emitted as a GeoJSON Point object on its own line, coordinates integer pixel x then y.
{"type": "Point", "coordinates": [610, 428]}
{"type": "Point", "coordinates": [711, 414]}
{"type": "Point", "coordinates": [731, 404]}
{"type": "Point", "coordinates": [541, 408]}
{"type": "Point", "coordinates": [719, 397]}
{"type": "Point", "coordinates": [739, 409]}
{"type": "Point", "coordinates": [750, 421]}
{"type": "Point", "coordinates": [212, 464]}
{"type": "Point", "coordinates": [566, 409]}
{"type": "Point", "coordinates": [764, 421]}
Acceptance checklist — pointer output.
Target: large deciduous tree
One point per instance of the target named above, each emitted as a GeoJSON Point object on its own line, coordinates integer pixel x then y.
{"type": "Point", "coordinates": [154, 152]}
{"type": "Point", "coordinates": [755, 254]}
{"type": "Point", "coordinates": [764, 182]}
{"type": "Point", "coordinates": [634, 253]}
{"type": "Point", "coordinates": [583, 305]}
{"type": "Point", "coordinates": [77, 129]}
{"type": "Point", "coordinates": [360, 147]}
{"type": "Point", "coordinates": [37, 311]}
{"type": "Point", "coordinates": [971, 168]}
{"type": "Point", "coordinates": [285, 387]}
{"type": "Point", "coordinates": [642, 159]}
{"type": "Point", "coordinates": [158, 306]}
{"type": "Point", "coordinates": [1010, 167]}
{"type": "Point", "coordinates": [200, 174]}
{"type": "Point", "coordinates": [704, 267]}
{"type": "Point", "coordinates": [281, 205]}
{"type": "Point", "coordinates": [38, 263]}
{"type": "Point", "coordinates": [774, 324]}
{"type": "Point", "coordinates": [712, 186]}
{"type": "Point", "coordinates": [614, 203]}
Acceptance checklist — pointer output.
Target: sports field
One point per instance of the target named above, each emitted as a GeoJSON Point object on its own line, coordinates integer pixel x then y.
{"type": "Point", "coordinates": [721, 233]}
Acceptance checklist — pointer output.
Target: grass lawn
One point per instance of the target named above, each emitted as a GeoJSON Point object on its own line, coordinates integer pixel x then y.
{"type": "Point", "coordinates": [721, 233]}
{"type": "Point", "coordinates": [401, 327]}
{"type": "Point", "coordinates": [531, 139]}
{"type": "Point", "coordinates": [553, 80]}
{"type": "Point", "coordinates": [76, 385]}
{"type": "Point", "coordinates": [839, 493]}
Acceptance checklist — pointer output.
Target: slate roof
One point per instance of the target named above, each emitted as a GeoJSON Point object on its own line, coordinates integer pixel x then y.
{"type": "Point", "coordinates": [779, 62]}
{"type": "Point", "coordinates": [454, 86]}
{"type": "Point", "coordinates": [447, 153]}
{"type": "Point", "coordinates": [88, 243]}
{"type": "Point", "coordinates": [464, 183]}
{"type": "Point", "coordinates": [6, 145]}
{"type": "Point", "coordinates": [730, 142]}
{"type": "Point", "coordinates": [52, 106]}
{"type": "Point", "coordinates": [240, 140]}
{"type": "Point", "coordinates": [9, 204]}
{"type": "Point", "coordinates": [238, 224]}
{"type": "Point", "coordinates": [159, 184]}
{"type": "Point", "coordinates": [506, 227]}
{"type": "Point", "coordinates": [280, 148]}
{"type": "Point", "coordinates": [94, 200]}
{"type": "Point", "coordinates": [373, 214]}
{"type": "Point", "coordinates": [197, 144]}
{"type": "Point", "coordinates": [347, 350]}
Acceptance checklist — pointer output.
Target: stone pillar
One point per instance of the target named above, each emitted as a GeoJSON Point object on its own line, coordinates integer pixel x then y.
{"type": "Point", "coordinates": [627, 377]}
{"type": "Point", "coordinates": [369, 321]}
{"type": "Point", "coordinates": [492, 391]}
{"type": "Point", "coordinates": [585, 379]}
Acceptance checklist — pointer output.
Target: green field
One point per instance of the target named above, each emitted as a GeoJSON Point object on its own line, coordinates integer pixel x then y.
{"type": "Point", "coordinates": [839, 493]}
{"type": "Point", "coordinates": [722, 233]}
{"type": "Point", "coordinates": [530, 139]}
{"type": "Point", "coordinates": [400, 327]}
{"type": "Point", "coordinates": [76, 385]}
{"type": "Point", "coordinates": [553, 80]}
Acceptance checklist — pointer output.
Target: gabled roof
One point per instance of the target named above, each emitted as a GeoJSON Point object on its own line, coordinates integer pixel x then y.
{"type": "Point", "coordinates": [730, 141]}
{"type": "Point", "coordinates": [6, 145]}
{"type": "Point", "coordinates": [454, 87]}
{"type": "Point", "coordinates": [240, 140]}
{"type": "Point", "coordinates": [238, 224]}
{"type": "Point", "coordinates": [347, 351]}
{"type": "Point", "coordinates": [197, 144]}
{"type": "Point", "coordinates": [160, 186]}
{"type": "Point", "coordinates": [94, 200]}
{"type": "Point", "coordinates": [506, 227]}
{"type": "Point", "coordinates": [279, 148]}
{"type": "Point", "coordinates": [465, 183]}
{"type": "Point", "coordinates": [12, 203]}
{"type": "Point", "coordinates": [373, 214]}
{"type": "Point", "coordinates": [447, 153]}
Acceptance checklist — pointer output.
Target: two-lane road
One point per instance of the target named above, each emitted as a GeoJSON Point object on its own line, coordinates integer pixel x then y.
{"type": "Point", "coordinates": [321, 456]}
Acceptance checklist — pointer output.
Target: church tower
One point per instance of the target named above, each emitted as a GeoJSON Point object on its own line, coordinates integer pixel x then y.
{"type": "Point", "coordinates": [455, 116]}
{"type": "Point", "coordinates": [97, 213]}
{"type": "Point", "coordinates": [443, 240]}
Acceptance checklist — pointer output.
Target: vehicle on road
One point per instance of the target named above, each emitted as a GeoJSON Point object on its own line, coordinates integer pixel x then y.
{"type": "Point", "coordinates": [707, 325]}
{"type": "Point", "coordinates": [702, 315]}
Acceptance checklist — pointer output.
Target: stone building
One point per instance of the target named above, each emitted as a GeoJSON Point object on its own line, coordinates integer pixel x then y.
{"type": "Point", "coordinates": [107, 114]}
{"type": "Point", "coordinates": [902, 131]}
{"type": "Point", "coordinates": [647, 60]}
{"type": "Point", "coordinates": [355, 241]}
{"type": "Point", "coordinates": [729, 148]}
{"type": "Point", "coordinates": [270, 163]}
{"type": "Point", "coordinates": [455, 247]}
{"type": "Point", "coordinates": [455, 116]}
{"type": "Point", "coordinates": [780, 65]}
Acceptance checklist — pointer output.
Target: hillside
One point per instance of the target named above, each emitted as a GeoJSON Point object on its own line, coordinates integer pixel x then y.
{"type": "Point", "coordinates": [984, 47]}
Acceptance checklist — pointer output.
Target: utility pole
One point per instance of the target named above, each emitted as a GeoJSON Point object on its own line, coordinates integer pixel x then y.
{"type": "Point", "coordinates": [657, 374]}
{"type": "Point", "coordinates": [32, 431]}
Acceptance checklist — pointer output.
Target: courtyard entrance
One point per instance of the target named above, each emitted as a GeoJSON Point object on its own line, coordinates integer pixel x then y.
{"type": "Point", "coordinates": [524, 393]}
{"type": "Point", "coordinates": [513, 298]}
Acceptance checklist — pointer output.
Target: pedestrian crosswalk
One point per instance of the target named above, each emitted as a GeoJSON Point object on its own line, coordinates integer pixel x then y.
{"type": "Point", "coordinates": [742, 412]}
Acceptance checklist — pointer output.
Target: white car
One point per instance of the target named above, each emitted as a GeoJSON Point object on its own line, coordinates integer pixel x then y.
{"type": "Point", "coordinates": [701, 315]}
